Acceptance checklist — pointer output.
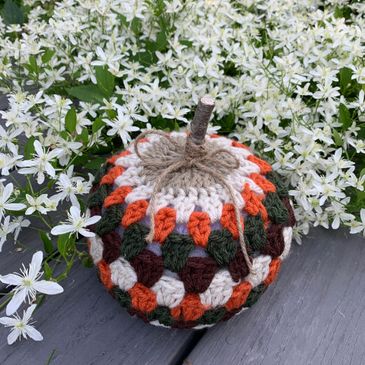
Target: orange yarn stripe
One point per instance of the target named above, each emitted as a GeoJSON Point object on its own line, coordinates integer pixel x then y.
{"type": "Point", "coordinates": [165, 221]}
{"type": "Point", "coordinates": [199, 228]}
{"type": "Point", "coordinates": [266, 185]}
{"type": "Point", "coordinates": [239, 145]}
{"type": "Point", "coordinates": [112, 159]}
{"type": "Point", "coordinates": [190, 309]}
{"type": "Point", "coordinates": [117, 196]}
{"type": "Point", "coordinates": [142, 140]}
{"type": "Point", "coordinates": [253, 203]}
{"type": "Point", "coordinates": [112, 174]}
{"type": "Point", "coordinates": [239, 295]}
{"type": "Point", "coordinates": [228, 220]}
{"type": "Point", "coordinates": [134, 212]}
{"type": "Point", "coordinates": [264, 166]}
{"type": "Point", "coordinates": [275, 265]}
{"type": "Point", "coordinates": [105, 274]}
{"type": "Point", "coordinates": [142, 298]}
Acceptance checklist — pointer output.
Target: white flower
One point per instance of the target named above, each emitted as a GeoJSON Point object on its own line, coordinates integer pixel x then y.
{"type": "Point", "coordinates": [19, 223]}
{"type": "Point", "coordinates": [36, 204]}
{"type": "Point", "coordinates": [8, 162]}
{"type": "Point", "coordinates": [5, 228]}
{"type": "Point", "coordinates": [41, 163]}
{"type": "Point", "coordinates": [27, 284]}
{"type": "Point", "coordinates": [175, 112]}
{"type": "Point", "coordinates": [6, 201]}
{"type": "Point", "coordinates": [68, 186]}
{"type": "Point", "coordinates": [21, 326]}
{"type": "Point", "coordinates": [78, 223]}
{"type": "Point", "coordinates": [356, 226]}
{"type": "Point", "coordinates": [7, 139]}
{"type": "Point", "coordinates": [107, 59]}
{"type": "Point", "coordinates": [121, 125]}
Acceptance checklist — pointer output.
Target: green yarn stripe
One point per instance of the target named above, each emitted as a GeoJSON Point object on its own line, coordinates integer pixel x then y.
{"type": "Point", "coordinates": [110, 220]}
{"type": "Point", "coordinates": [277, 211]}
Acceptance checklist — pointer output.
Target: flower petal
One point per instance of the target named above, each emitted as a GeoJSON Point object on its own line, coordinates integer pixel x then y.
{"type": "Point", "coordinates": [86, 233]}
{"type": "Point", "coordinates": [38, 148]}
{"type": "Point", "coordinates": [62, 229]}
{"type": "Point", "coordinates": [16, 301]}
{"type": "Point", "coordinates": [75, 212]}
{"type": "Point", "coordinates": [14, 206]}
{"type": "Point", "coordinates": [362, 215]}
{"type": "Point", "coordinates": [28, 313]}
{"type": "Point", "coordinates": [92, 220]}
{"type": "Point", "coordinates": [8, 189]}
{"type": "Point", "coordinates": [13, 336]}
{"type": "Point", "coordinates": [11, 279]}
{"type": "Point", "coordinates": [29, 211]}
{"type": "Point", "coordinates": [8, 321]}
{"type": "Point", "coordinates": [47, 287]}
{"type": "Point", "coordinates": [33, 333]}
{"type": "Point", "coordinates": [36, 264]}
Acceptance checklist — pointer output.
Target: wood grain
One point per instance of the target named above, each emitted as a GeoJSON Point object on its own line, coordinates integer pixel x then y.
{"type": "Point", "coordinates": [314, 314]}
{"type": "Point", "coordinates": [85, 325]}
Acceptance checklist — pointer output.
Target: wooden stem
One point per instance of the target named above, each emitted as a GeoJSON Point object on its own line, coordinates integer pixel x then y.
{"type": "Point", "coordinates": [199, 124]}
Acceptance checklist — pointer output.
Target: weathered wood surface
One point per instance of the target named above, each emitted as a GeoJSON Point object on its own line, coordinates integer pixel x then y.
{"type": "Point", "coordinates": [314, 314]}
{"type": "Point", "coordinates": [85, 325]}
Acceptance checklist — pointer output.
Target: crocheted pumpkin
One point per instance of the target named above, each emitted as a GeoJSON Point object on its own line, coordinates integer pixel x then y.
{"type": "Point", "coordinates": [201, 246]}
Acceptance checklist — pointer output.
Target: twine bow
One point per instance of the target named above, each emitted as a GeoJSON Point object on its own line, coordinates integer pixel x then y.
{"type": "Point", "coordinates": [194, 156]}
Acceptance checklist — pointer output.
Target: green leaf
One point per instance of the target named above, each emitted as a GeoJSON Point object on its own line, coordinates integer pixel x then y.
{"type": "Point", "coordinates": [62, 244]}
{"type": "Point", "coordinates": [87, 261]}
{"type": "Point", "coordinates": [71, 120]}
{"type": "Point", "coordinates": [105, 80]}
{"type": "Point", "coordinates": [32, 66]}
{"type": "Point", "coordinates": [136, 26]}
{"type": "Point", "coordinates": [161, 41]}
{"type": "Point", "coordinates": [47, 271]}
{"type": "Point", "coordinates": [337, 138]}
{"type": "Point", "coordinates": [47, 243]}
{"type": "Point", "coordinates": [47, 55]}
{"type": "Point", "coordinates": [164, 124]}
{"type": "Point", "coordinates": [344, 12]}
{"type": "Point", "coordinates": [345, 78]}
{"type": "Point", "coordinates": [84, 136]}
{"type": "Point", "coordinates": [227, 123]}
{"type": "Point", "coordinates": [29, 148]}
{"type": "Point", "coordinates": [12, 13]}
{"type": "Point", "coordinates": [344, 116]}
{"type": "Point", "coordinates": [89, 93]}
{"type": "Point", "coordinates": [146, 58]}
{"type": "Point", "coordinates": [65, 244]}
{"type": "Point", "coordinates": [95, 163]}
{"type": "Point", "coordinates": [186, 42]}
{"type": "Point", "coordinates": [97, 124]}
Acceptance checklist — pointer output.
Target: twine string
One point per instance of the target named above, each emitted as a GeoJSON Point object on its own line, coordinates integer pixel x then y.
{"type": "Point", "coordinates": [194, 156]}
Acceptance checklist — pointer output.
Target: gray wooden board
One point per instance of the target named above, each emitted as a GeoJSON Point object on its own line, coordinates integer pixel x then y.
{"type": "Point", "coordinates": [11, 260]}
{"type": "Point", "coordinates": [85, 325]}
{"type": "Point", "coordinates": [313, 314]}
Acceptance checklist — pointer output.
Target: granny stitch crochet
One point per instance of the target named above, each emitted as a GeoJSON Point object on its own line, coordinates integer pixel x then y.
{"type": "Point", "coordinates": [193, 273]}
